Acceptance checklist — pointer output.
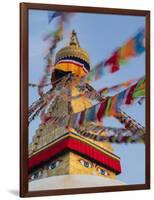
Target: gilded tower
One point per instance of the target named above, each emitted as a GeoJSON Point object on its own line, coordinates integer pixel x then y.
{"type": "Point", "coordinates": [59, 146]}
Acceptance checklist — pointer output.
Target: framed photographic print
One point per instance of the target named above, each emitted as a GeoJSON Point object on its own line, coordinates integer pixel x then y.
{"type": "Point", "coordinates": [85, 99]}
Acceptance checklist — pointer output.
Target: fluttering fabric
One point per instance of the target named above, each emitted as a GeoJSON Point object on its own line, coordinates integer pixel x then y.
{"type": "Point", "coordinates": [129, 97]}
{"type": "Point", "coordinates": [140, 89]}
{"type": "Point", "coordinates": [53, 39]}
{"type": "Point", "coordinates": [115, 88]}
{"type": "Point", "coordinates": [111, 105]}
{"type": "Point", "coordinates": [132, 48]}
{"type": "Point", "coordinates": [52, 15]}
{"type": "Point", "coordinates": [101, 110]}
{"type": "Point", "coordinates": [82, 108]}
{"type": "Point", "coordinates": [118, 136]}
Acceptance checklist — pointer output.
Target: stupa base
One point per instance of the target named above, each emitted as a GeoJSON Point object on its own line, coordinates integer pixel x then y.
{"type": "Point", "coordinates": [72, 181]}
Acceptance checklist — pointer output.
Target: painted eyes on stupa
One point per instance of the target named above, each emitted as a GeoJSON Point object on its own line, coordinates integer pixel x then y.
{"type": "Point", "coordinates": [102, 171]}
{"type": "Point", "coordinates": [86, 163]}
{"type": "Point", "coordinates": [54, 164]}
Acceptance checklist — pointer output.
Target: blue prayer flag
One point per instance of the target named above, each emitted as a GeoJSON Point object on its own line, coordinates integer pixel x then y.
{"type": "Point", "coordinates": [52, 15]}
{"type": "Point", "coordinates": [139, 42]}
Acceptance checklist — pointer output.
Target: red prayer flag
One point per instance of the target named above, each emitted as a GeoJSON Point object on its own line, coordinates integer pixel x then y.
{"type": "Point", "coordinates": [115, 67]}
{"type": "Point", "coordinates": [129, 97]}
{"type": "Point", "coordinates": [82, 117]}
{"type": "Point", "coordinates": [101, 110]}
{"type": "Point", "coordinates": [113, 61]}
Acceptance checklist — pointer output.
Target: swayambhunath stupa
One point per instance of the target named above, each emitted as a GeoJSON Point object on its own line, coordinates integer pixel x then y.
{"type": "Point", "coordinates": [71, 147]}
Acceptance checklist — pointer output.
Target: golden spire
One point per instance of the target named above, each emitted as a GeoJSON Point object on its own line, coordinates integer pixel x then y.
{"type": "Point", "coordinates": [74, 40]}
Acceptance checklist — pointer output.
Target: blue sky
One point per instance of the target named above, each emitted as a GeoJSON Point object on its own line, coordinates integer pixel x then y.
{"type": "Point", "coordinates": [99, 35]}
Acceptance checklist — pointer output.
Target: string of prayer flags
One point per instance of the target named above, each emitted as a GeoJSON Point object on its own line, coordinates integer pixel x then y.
{"type": "Point", "coordinates": [130, 123]}
{"type": "Point", "coordinates": [47, 98]}
{"type": "Point", "coordinates": [115, 88]}
{"type": "Point", "coordinates": [63, 15]}
{"type": "Point", "coordinates": [116, 130]}
{"type": "Point", "coordinates": [114, 138]}
{"type": "Point", "coordinates": [110, 106]}
{"type": "Point", "coordinates": [40, 102]}
{"type": "Point", "coordinates": [48, 70]}
{"type": "Point", "coordinates": [128, 96]}
{"type": "Point", "coordinates": [53, 38]}
{"type": "Point", "coordinates": [35, 114]}
{"type": "Point", "coordinates": [132, 48]}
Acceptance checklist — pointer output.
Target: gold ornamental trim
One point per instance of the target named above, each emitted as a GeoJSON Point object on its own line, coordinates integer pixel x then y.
{"type": "Point", "coordinates": [73, 51]}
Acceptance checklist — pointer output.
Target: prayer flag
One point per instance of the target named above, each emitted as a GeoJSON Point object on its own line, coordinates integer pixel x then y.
{"type": "Point", "coordinates": [120, 99]}
{"type": "Point", "coordinates": [108, 106]}
{"type": "Point", "coordinates": [113, 111]}
{"type": "Point", "coordinates": [113, 61]}
{"type": "Point", "coordinates": [139, 42]}
{"type": "Point", "coordinates": [91, 113]}
{"type": "Point", "coordinates": [82, 117]}
{"type": "Point", "coordinates": [101, 110]}
{"type": "Point", "coordinates": [129, 96]}
{"type": "Point", "coordinates": [127, 51]}
{"type": "Point", "coordinates": [52, 15]}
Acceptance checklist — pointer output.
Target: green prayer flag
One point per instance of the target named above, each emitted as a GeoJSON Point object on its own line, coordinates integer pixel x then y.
{"type": "Point", "coordinates": [139, 93]}
{"type": "Point", "coordinates": [108, 106]}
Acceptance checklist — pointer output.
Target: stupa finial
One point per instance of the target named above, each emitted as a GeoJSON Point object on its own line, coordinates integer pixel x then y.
{"type": "Point", "coordinates": [73, 39]}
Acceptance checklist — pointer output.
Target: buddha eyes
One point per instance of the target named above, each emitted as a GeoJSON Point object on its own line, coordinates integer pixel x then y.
{"type": "Point", "coordinates": [86, 163]}
{"type": "Point", "coordinates": [54, 164]}
{"type": "Point", "coordinates": [102, 171]}
{"type": "Point", "coordinates": [50, 166]}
